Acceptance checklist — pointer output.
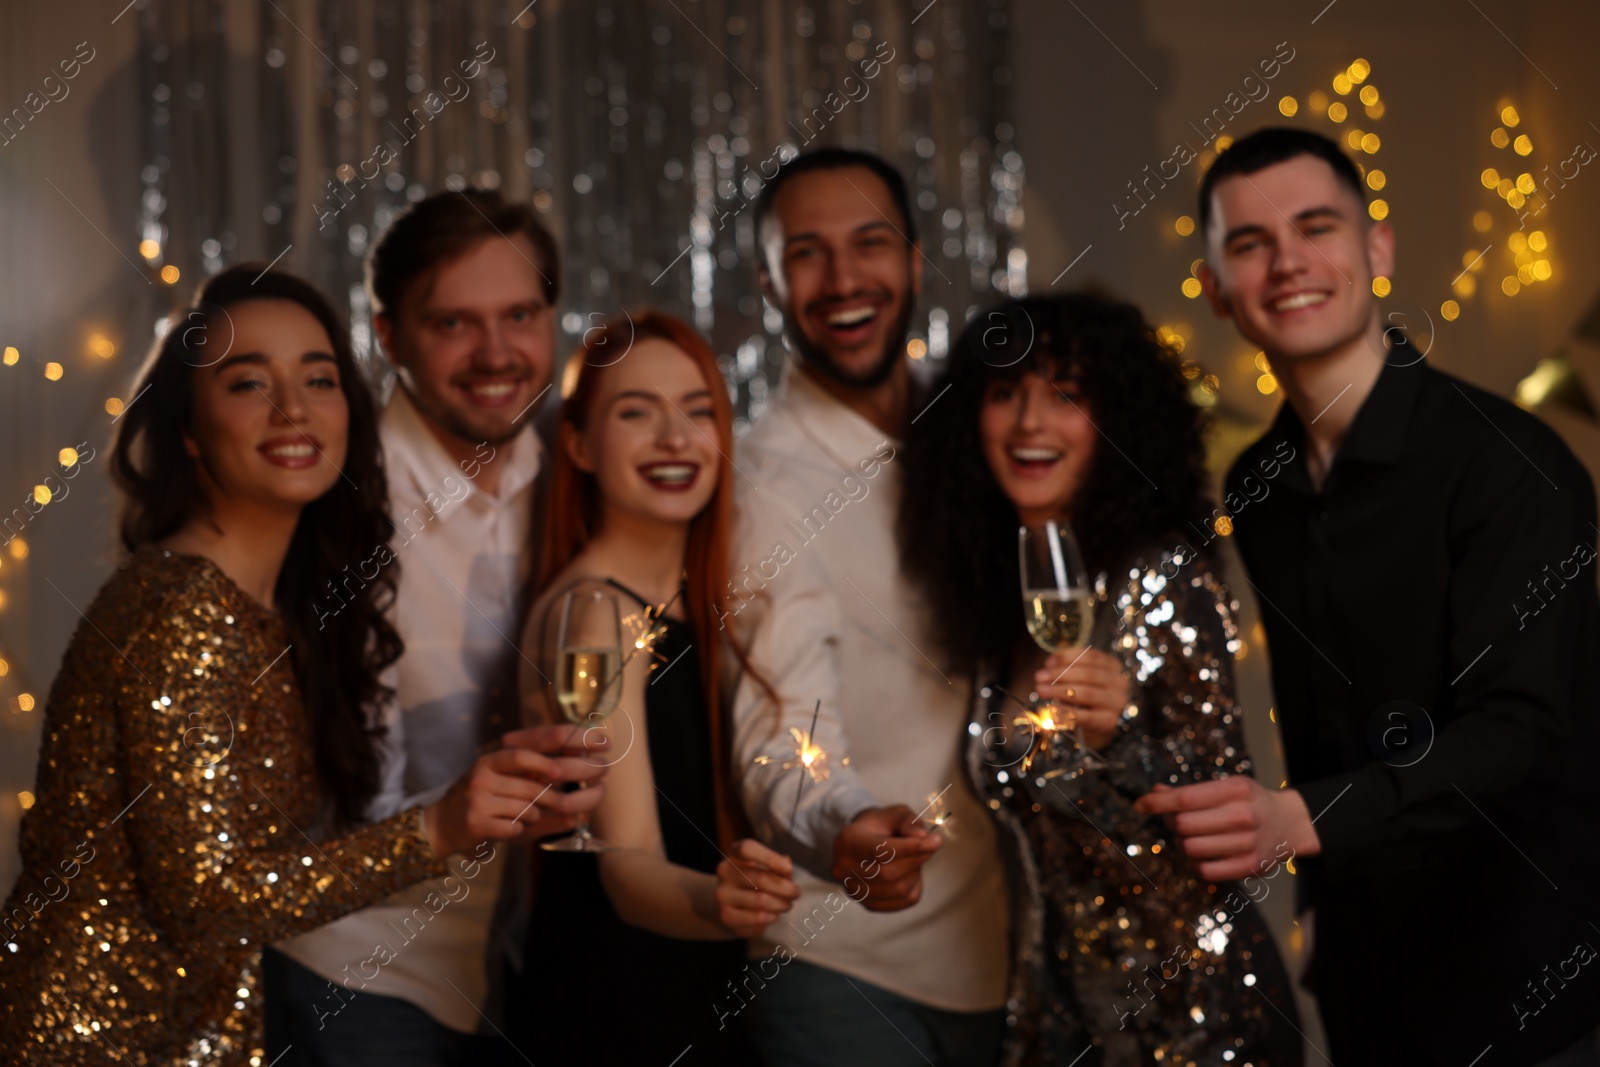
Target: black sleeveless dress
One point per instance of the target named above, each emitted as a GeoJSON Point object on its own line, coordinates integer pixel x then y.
{"type": "Point", "coordinates": [598, 991]}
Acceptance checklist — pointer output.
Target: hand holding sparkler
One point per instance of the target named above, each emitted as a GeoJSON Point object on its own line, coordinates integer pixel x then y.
{"type": "Point", "coordinates": [754, 887]}
{"type": "Point", "coordinates": [885, 848]}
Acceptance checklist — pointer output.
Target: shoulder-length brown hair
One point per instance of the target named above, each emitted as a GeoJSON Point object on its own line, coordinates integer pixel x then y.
{"type": "Point", "coordinates": [572, 512]}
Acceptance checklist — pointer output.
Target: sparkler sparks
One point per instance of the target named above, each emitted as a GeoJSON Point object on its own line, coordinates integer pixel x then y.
{"type": "Point", "coordinates": [648, 628]}
{"type": "Point", "coordinates": [937, 813]}
{"type": "Point", "coordinates": [1046, 724]}
{"type": "Point", "coordinates": [807, 755]}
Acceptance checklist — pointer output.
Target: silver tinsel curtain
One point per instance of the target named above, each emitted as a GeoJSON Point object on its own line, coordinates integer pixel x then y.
{"type": "Point", "coordinates": [639, 129]}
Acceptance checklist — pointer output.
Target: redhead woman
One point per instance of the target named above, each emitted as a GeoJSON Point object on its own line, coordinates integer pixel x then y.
{"type": "Point", "coordinates": [651, 936]}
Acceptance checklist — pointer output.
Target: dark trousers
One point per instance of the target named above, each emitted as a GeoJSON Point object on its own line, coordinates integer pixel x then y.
{"type": "Point", "coordinates": [368, 1030]}
{"type": "Point", "coordinates": [811, 1016]}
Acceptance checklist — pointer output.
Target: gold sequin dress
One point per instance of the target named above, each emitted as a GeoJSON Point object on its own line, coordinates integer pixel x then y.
{"type": "Point", "coordinates": [168, 843]}
{"type": "Point", "coordinates": [1117, 943]}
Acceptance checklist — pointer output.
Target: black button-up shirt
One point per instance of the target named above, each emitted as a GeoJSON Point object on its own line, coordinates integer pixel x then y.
{"type": "Point", "coordinates": [1434, 630]}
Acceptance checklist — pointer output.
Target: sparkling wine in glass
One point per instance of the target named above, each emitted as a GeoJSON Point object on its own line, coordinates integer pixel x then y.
{"type": "Point", "coordinates": [1058, 604]}
{"type": "Point", "coordinates": [585, 627]}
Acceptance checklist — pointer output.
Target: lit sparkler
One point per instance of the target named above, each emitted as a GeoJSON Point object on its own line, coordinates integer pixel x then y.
{"type": "Point", "coordinates": [649, 625]}
{"type": "Point", "coordinates": [1045, 724]}
{"type": "Point", "coordinates": [937, 813]}
{"type": "Point", "coordinates": [807, 755]}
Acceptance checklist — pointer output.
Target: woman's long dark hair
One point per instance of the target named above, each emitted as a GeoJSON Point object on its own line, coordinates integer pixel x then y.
{"type": "Point", "coordinates": [338, 656]}
{"type": "Point", "coordinates": [1145, 484]}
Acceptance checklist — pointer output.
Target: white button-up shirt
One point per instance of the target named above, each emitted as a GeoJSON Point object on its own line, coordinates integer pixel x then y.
{"type": "Point", "coordinates": [824, 611]}
{"type": "Point", "coordinates": [463, 556]}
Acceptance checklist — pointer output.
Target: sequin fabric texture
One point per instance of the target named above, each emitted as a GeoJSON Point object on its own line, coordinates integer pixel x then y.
{"type": "Point", "coordinates": [165, 848]}
{"type": "Point", "coordinates": [1117, 942]}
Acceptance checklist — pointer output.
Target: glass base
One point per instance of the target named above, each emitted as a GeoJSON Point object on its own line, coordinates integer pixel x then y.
{"type": "Point", "coordinates": [577, 843]}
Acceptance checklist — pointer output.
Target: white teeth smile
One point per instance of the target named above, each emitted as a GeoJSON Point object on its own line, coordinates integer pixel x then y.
{"type": "Point", "coordinates": [492, 390]}
{"type": "Point", "coordinates": [671, 473]}
{"type": "Point", "coordinates": [1299, 300]}
{"type": "Point", "coordinates": [1035, 455]}
{"type": "Point", "coordinates": [301, 451]}
{"type": "Point", "coordinates": [853, 317]}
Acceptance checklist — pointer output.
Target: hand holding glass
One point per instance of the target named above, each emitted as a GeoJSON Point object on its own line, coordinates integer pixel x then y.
{"type": "Point", "coordinates": [1058, 604]}
{"type": "Point", "coordinates": [584, 641]}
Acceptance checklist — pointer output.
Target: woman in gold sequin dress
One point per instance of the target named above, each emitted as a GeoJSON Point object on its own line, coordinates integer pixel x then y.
{"type": "Point", "coordinates": [206, 751]}
{"type": "Point", "coordinates": [1066, 407]}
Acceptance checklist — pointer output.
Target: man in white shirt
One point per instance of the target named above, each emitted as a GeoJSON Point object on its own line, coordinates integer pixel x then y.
{"type": "Point", "coordinates": [463, 289]}
{"type": "Point", "coordinates": [895, 952]}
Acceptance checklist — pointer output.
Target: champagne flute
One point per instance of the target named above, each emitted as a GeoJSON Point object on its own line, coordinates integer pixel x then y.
{"type": "Point", "coordinates": [587, 651]}
{"type": "Point", "coordinates": [1059, 607]}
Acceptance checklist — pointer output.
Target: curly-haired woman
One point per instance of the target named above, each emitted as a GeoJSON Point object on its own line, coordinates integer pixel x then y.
{"type": "Point", "coordinates": [1065, 407]}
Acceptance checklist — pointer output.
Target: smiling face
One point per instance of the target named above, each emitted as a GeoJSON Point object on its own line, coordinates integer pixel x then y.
{"type": "Point", "coordinates": [269, 422]}
{"type": "Point", "coordinates": [1038, 440]}
{"type": "Point", "coordinates": [474, 342]}
{"type": "Point", "coordinates": [1290, 256]}
{"type": "Point", "coordinates": [650, 436]}
{"type": "Point", "coordinates": [836, 263]}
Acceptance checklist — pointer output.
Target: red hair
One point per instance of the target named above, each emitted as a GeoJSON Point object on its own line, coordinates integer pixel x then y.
{"type": "Point", "coordinates": [572, 511]}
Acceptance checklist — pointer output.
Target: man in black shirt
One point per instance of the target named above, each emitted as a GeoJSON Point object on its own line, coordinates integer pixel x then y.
{"type": "Point", "coordinates": [1426, 576]}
